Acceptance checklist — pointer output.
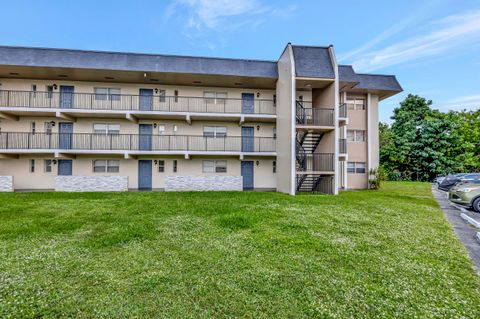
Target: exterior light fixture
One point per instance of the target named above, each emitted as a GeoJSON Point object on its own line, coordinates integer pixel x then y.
{"type": "Point", "coordinates": [258, 94]}
{"type": "Point", "coordinates": [258, 127]}
{"type": "Point", "coordinates": [156, 162]}
{"type": "Point", "coordinates": [258, 163]}
{"type": "Point", "coordinates": [52, 123]}
{"type": "Point", "coordinates": [55, 86]}
{"type": "Point", "coordinates": [156, 91]}
{"type": "Point", "coordinates": [154, 125]}
{"type": "Point", "coordinates": [144, 75]}
{"type": "Point", "coordinates": [54, 162]}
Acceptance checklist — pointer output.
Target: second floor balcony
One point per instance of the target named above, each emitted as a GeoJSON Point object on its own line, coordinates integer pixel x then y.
{"type": "Point", "coordinates": [148, 103]}
{"type": "Point", "coordinates": [21, 142]}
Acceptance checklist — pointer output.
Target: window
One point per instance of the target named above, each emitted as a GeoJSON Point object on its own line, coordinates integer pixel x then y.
{"type": "Point", "coordinates": [34, 90]}
{"type": "Point", "coordinates": [32, 166]}
{"type": "Point", "coordinates": [33, 127]}
{"type": "Point", "coordinates": [274, 166]}
{"type": "Point", "coordinates": [162, 96]}
{"type": "Point", "coordinates": [161, 129]}
{"type": "Point", "coordinates": [48, 126]}
{"type": "Point", "coordinates": [104, 94]}
{"type": "Point", "coordinates": [274, 132]}
{"type": "Point", "coordinates": [49, 91]}
{"type": "Point", "coordinates": [215, 97]}
{"type": "Point", "coordinates": [109, 166]}
{"type": "Point", "coordinates": [356, 104]}
{"type": "Point", "coordinates": [174, 166]}
{"type": "Point", "coordinates": [356, 167]}
{"type": "Point", "coordinates": [212, 166]}
{"type": "Point", "coordinates": [104, 128]}
{"type": "Point", "coordinates": [161, 166]}
{"type": "Point", "coordinates": [47, 165]}
{"type": "Point", "coordinates": [356, 135]}
{"type": "Point", "coordinates": [176, 95]}
{"type": "Point", "coordinates": [214, 131]}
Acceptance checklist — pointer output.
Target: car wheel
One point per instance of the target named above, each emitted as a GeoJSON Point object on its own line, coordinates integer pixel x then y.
{"type": "Point", "coordinates": [476, 205]}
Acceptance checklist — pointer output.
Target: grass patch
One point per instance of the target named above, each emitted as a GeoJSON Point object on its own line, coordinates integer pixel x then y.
{"type": "Point", "coordinates": [376, 254]}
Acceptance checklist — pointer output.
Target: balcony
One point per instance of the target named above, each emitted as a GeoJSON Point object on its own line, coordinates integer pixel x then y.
{"type": "Point", "coordinates": [134, 144]}
{"type": "Point", "coordinates": [323, 163]}
{"type": "Point", "coordinates": [21, 103]}
{"type": "Point", "coordinates": [308, 117]}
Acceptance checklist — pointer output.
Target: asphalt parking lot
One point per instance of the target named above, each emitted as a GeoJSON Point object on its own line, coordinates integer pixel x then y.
{"type": "Point", "coordinates": [465, 223]}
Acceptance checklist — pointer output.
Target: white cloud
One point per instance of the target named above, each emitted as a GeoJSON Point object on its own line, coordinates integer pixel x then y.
{"type": "Point", "coordinates": [469, 102]}
{"type": "Point", "coordinates": [457, 32]}
{"type": "Point", "coordinates": [212, 14]}
{"type": "Point", "coordinates": [426, 9]}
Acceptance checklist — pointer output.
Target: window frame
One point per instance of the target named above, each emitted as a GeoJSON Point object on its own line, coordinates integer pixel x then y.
{"type": "Point", "coordinates": [175, 166]}
{"type": "Point", "coordinates": [108, 130]}
{"type": "Point", "coordinates": [352, 168]}
{"type": "Point", "coordinates": [108, 96]}
{"type": "Point", "coordinates": [215, 131]}
{"type": "Point", "coordinates": [217, 166]}
{"type": "Point", "coordinates": [31, 168]}
{"type": "Point", "coordinates": [47, 166]}
{"type": "Point", "coordinates": [161, 166]}
{"type": "Point", "coordinates": [352, 103]}
{"type": "Point", "coordinates": [108, 166]}
{"type": "Point", "coordinates": [356, 134]}
{"type": "Point", "coordinates": [215, 98]}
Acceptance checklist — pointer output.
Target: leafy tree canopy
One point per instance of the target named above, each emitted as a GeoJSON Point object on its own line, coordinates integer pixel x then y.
{"type": "Point", "coordinates": [423, 143]}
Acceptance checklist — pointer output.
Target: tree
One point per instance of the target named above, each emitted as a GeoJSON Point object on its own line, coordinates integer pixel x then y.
{"type": "Point", "coordinates": [423, 143]}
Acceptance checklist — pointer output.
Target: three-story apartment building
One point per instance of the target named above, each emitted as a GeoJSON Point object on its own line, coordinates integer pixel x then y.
{"type": "Point", "coordinates": [73, 120]}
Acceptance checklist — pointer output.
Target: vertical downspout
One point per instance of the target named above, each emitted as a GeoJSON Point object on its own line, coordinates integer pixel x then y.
{"type": "Point", "coordinates": [345, 173]}
{"type": "Point", "coordinates": [336, 112]}
{"type": "Point", "coordinates": [293, 122]}
{"type": "Point", "coordinates": [369, 135]}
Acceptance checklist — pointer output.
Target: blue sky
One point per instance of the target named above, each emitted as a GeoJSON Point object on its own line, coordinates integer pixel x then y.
{"type": "Point", "coordinates": [432, 46]}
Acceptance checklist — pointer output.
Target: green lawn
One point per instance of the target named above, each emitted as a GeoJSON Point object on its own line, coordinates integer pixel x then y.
{"type": "Point", "coordinates": [383, 254]}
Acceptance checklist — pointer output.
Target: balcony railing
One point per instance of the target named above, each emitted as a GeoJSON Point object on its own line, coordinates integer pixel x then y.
{"type": "Point", "coordinates": [314, 116]}
{"type": "Point", "coordinates": [342, 112]}
{"type": "Point", "coordinates": [318, 162]}
{"type": "Point", "coordinates": [124, 102]}
{"type": "Point", "coordinates": [342, 143]}
{"type": "Point", "coordinates": [134, 142]}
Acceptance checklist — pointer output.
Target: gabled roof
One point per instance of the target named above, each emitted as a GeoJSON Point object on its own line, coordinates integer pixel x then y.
{"type": "Point", "coordinates": [119, 61]}
{"type": "Point", "coordinates": [313, 62]}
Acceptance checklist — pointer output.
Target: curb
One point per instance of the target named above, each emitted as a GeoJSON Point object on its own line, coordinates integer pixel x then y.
{"type": "Point", "coordinates": [471, 221]}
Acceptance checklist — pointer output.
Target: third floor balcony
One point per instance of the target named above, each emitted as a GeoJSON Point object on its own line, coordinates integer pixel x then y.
{"type": "Point", "coordinates": [145, 105]}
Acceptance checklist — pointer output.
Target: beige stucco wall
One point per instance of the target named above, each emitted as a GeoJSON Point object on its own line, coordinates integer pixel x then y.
{"type": "Point", "coordinates": [357, 151]}
{"type": "Point", "coordinates": [83, 166]}
{"type": "Point", "coordinates": [286, 122]}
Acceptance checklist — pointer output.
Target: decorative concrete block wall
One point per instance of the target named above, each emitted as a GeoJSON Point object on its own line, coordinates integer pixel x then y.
{"type": "Point", "coordinates": [6, 183]}
{"type": "Point", "coordinates": [203, 183]}
{"type": "Point", "coordinates": [91, 183]}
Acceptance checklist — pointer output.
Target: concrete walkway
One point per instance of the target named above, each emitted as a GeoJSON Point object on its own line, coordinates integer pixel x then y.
{"type": "Point", "coordinates": [464, 231]}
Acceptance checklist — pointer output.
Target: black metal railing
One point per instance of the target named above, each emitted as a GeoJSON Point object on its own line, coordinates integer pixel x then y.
{"type": "Point", "coordinates": [342, 143]}
{"type": "Point", "coordinates": [127, 102]}
{"type": "Point", "coordinates": [134, 142]}
{"type": "Point", "coordinates": [314, 183]}
{"type": "Point", "coordinates": [343, 109]}
{"type": "Point", "coordinates": [314, 116]}
{"type": "Point", "coordinates": [318, 162]}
